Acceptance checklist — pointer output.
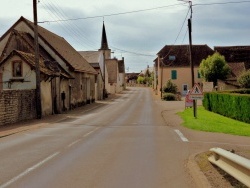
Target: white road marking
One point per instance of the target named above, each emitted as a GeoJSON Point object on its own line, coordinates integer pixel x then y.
{"type": "Point", "coordinates": [73, 143]}
{"type": "Point", "coordinates": [183, 138]}
{"type": "Point", "coordinates": [91, 132]}
{"type": "Point", "coordinates": [29, 170]}
{"type": "Point", "coordinates": [42, 162]}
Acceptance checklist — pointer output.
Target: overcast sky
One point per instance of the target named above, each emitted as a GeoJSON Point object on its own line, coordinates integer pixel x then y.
{"type": "Point", "coordinates": [136, 30]}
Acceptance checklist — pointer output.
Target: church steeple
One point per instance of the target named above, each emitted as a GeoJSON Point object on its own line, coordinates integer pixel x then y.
{"type": "Point", "coordinates": [104, 43]}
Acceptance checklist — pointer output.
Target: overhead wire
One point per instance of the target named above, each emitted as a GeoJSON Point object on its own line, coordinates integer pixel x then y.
{"type": "Point", "coordinates": [221, 3]}
{"type": "Point", "coordinates": [114, 14]}
{"type": "Point", "coordinates": [79, 32]}
{"type": "Point", "coordinates": [68, 28]}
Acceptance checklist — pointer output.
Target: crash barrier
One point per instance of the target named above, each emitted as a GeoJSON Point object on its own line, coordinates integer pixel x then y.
{"type": "Point", "coordinates": [235, 165]}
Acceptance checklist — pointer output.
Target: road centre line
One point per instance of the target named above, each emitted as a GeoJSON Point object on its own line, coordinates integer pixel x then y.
{"type": "Point", "coordinates": [87, 134]}
{"type": "Point", "coordinates": [73, 143]}
{"type": "Point", "coordinates": [29, 170]}
{"type": "Point", "coordinates": [182, 137]}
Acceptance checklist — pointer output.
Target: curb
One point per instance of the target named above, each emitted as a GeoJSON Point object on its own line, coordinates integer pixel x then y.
{"type": "Point", "coordinates": [27, 125]}
{"type": "Point", "coordinates": [199, 178]}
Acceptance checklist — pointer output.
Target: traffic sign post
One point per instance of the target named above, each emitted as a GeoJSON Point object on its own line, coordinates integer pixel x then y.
{"type": "Point", "coordinates": [196, 94]}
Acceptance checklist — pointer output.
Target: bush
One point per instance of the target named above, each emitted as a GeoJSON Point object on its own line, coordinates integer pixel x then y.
{"type": "Point", "coordinates": [170, 87]}
{"type": "Point", "coordinates": [244, 79]}
{"type": "Point", "coordinates": [232, 105]}
{"type": "Point", "coordinates": [169, 97]}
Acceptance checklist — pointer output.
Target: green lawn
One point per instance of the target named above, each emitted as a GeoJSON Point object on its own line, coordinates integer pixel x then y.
{"type": "Point", "coordinates": [212, 122]}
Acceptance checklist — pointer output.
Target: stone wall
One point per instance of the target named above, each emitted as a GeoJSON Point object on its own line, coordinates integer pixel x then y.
{"type": "Point", "coordinates": [17, 105]}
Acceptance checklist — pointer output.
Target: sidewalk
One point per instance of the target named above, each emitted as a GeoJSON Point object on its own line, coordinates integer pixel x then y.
{"type": "Point", "coordinates": [10, 129]}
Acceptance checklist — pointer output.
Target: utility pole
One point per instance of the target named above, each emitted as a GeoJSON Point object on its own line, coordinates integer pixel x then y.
{"type": "Point", "coordinates": [38, 89]}
{"type": "Point", "coordinates": [104, 80]}
{"type": "Point", "coordinates": [161, 65]}
{"type": "Point", "coordinates": [191, 56]}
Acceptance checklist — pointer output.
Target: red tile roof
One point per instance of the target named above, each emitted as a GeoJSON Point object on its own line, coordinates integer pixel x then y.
{"type": "Point", "coordinates": [179, 55]}
{"type": "Point", "coordinates": [63, 49]}
{"type": "Point", "coordinates": [235, 54]}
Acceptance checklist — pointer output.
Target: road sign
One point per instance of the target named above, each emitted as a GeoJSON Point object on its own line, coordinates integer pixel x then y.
{"type": "Point", "coordinates": [196, 92]}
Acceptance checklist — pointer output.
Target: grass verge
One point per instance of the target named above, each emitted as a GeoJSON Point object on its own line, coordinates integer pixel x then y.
{"type": "Point", "coordinates": [212, 122]}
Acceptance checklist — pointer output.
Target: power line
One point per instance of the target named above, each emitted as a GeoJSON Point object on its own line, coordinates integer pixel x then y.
{"type": "Point", "coordinates": [224, 3]}
{"type": "Point", "coordinates": [115, 14]}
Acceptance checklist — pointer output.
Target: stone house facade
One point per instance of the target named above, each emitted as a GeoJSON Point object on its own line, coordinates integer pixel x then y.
{"type": "Point", "coordinates": [69, 80]}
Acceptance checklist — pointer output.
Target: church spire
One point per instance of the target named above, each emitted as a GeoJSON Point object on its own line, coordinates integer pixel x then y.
{"type": "Point", "coordinates": [104, 44]}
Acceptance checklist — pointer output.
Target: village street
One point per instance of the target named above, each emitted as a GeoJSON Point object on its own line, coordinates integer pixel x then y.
{"type": "Point", "coordinates": [133, 140]}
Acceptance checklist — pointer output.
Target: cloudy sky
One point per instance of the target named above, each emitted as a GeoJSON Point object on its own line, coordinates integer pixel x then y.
{"type": "Point", "coordinates": [136, 30]}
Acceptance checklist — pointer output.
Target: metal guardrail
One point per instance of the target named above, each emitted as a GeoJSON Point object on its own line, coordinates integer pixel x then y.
{"type": "Point", "coordinates": [235, 165]}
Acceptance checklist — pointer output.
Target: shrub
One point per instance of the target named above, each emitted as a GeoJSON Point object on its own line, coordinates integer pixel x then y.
{"type": "Point", "coordinates": [170, 87]}
{"type": "Point", "coordinates": [232, 105]}
{"type": "Point", "coordinates": [244, 79]}
{"type": "Point", "coordinates": [169, 97]}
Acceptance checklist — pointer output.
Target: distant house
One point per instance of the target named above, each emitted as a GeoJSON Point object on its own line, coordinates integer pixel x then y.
{"type": "Point", "coordinates": [131, 79]}
{"type": "Point", "coordinates": [112, 68]}
{"type": "Point", "coordinates": [121, 75]}
{"type": "Point", "coordinates": [68, 80]}
{"type": "Point", "coordinates": [238, 59]}
{"type": "Point", "coordinates": [115, 77]}
{"type": "Point", "coordinates": [96, 60]}
{"type": "Point", "coordinates": [173, 63]}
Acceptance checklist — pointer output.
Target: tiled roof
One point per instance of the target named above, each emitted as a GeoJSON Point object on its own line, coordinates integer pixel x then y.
{"type": "Point", "coordinates": [235, 54]}
{"type": "Point", "coordinates": [112, 68]}
{"type": "Point", "coordinates": [63, 49]}
{"type": "Point", "coordinates": [27, 49]}
{"type": "Point", "coordinates": [30, 59]}
{"type": "Point", "coordinates": [91, 56]}
{"type": "Point", "coordinates": [179, 55]}
{"type": "Point", "coordinates": [237, 69]}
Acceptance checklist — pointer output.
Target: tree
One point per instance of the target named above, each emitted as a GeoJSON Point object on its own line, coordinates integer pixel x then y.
{"type": "Point", "coordinates": [214, 68]}
{"type": "Point", "coordinates": [244, 79]}
{"type": "Point", "coordinates": [170, 87]}
{"type": "Point", "coordinates": [141, 80]}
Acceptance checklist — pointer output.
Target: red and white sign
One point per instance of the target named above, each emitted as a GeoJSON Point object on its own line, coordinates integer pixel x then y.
{"type": "Point", "coordinates": [196, 92]}
{"type": "Point", "coordinates": [188, 101]}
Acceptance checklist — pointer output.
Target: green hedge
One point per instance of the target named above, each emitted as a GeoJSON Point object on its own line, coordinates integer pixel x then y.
{"type": "Point", "coordinates": [232, 105]}
{"type": "Point", "coordinates": [169, 97]}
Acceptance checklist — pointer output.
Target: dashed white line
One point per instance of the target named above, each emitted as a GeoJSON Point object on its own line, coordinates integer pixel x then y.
{"type": "Point", "coordinates": [29, 170]}
{"type": "Point", "coordinates": [73, 143]}
{"type": "Point", "coordinates": [183, 138]}
{"type": "Point", "coordinates": [90, 132]}
{"type": "Point", "coordinates": [42, 162]}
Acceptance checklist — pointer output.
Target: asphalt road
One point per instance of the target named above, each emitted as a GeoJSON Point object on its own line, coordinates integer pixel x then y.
{"type": "Point", "coordinates": [133, 141]}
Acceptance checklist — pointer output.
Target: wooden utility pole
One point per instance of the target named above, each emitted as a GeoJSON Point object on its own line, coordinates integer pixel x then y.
{"type": "Point", "coordinates": [104, 79]}
{"type": "Point", "coordinates": [161, 65]}
{"type": "Point", "coordinates": [191, 61]}
{"type": "Point", "coordinates": [38, 89]}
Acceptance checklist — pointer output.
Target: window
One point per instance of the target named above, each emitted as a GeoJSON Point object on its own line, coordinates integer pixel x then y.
{"type": "Point", "coordinates": [17, 69]}
{"type": "Point", "coordinates": [173, 74]}
{"type": "Point", "coordinates": [199, 75]}
{"type": "Point", "coordinates": [171, 57]}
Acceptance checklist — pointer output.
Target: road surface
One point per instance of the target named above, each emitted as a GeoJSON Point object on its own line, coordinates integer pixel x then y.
{"type": "Point", "coordinates": [133, 141]}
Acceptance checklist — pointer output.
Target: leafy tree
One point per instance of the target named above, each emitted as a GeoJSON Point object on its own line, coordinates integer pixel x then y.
{"type": "Point", "coordinates": [213, 68]}
{"type": "Point", "coordinates": [244, 79]}
{"type": "Point", "coordinates": [141, 80]}
{"type": "Point", "coordinates": [170, 87]}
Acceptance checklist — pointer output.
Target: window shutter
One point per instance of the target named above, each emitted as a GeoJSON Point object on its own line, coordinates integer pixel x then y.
{"type": "Point", "coordinates": [173, 74]}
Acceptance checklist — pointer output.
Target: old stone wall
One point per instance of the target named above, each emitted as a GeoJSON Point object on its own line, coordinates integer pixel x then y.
{"type": "Point", "coordinates": [17, 105]}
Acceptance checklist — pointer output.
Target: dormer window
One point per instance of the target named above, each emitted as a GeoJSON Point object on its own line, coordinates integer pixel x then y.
{"type": "Point", "coordinates": [17, 68]}
{"type": "Point", "coordinates": [171, 57]}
